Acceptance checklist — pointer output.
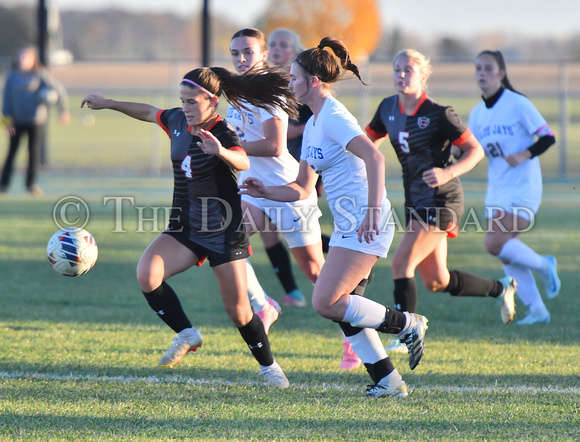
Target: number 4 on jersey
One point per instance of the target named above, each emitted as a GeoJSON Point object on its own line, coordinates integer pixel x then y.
{"type": "Point", "coordinates": [186, 166]}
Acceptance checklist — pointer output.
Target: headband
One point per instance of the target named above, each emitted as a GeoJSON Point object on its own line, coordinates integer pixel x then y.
{"type": "Point", "coordinates": [198, 86]}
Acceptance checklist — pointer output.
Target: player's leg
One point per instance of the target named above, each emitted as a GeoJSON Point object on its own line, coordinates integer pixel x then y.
{"type": "Point", "coordinates": [232, 280]}
{"type": "Point", "coordinates": [265, 307]}
{"type": "Point", "coordinates": [35, 140]}
{"type": "Point", "coordinates": [437, 278]}
{"type": "Point", "coordinates": [10, 156]}
{"type": "Point", "coordinates": [332, 299]}
{"type": "Point", "coordinates": [164, 258]}
{"type": "Point", "coordinates": [418, 242]}
{"type": "Point", "coordinates": [257, 221]}
{"type": "Point", "coordinates": [502, 240]}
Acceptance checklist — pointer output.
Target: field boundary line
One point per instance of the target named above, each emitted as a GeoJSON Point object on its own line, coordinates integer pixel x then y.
{"type": "Point", "coordinates": [221, 382]}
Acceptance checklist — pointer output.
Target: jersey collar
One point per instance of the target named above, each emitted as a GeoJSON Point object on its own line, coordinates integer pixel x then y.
{"type": "Point", "coordinates": [421, 101]}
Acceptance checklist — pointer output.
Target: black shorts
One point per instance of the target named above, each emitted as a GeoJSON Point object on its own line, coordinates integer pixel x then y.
{"type": "Point", "coordinates": [239, 248]}
{"type": "Point", "coordinates": [444, 218]}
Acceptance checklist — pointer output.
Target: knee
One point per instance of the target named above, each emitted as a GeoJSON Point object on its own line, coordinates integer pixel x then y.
{"type": "Point", "coordinates": [492, 246]}
{"type": "Point", "coordinates": [435, 285]}
{"type": "Point", "coordinates": [148, 278]}
{"type": "Point", "coordinates": [322, 308]}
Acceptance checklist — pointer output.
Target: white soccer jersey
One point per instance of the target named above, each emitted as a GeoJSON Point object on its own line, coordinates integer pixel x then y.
{"type": "Point", "coordinates": [272, 171]}
{"type": "Point", "coordinates": [343, 174]}
{"type": "Point", "coordinates": [509, 127]}
{"type": "Point", "coordinates": [298, 220]}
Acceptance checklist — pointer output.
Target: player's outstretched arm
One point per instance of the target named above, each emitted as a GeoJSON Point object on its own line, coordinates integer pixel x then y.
{"type": "Point", "coordinates": [139, 111]}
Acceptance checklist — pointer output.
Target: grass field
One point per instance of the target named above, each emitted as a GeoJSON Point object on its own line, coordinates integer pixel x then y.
{"type": "Point", "coordinates": [78, 355]}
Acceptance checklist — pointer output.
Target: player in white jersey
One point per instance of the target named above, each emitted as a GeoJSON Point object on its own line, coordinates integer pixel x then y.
{"type": "Point", "coordinates": [353, 175]}
{"type": "Point", "coordinates": [263, 135]}
{"type": "Point", "coordinates": [513, 134]}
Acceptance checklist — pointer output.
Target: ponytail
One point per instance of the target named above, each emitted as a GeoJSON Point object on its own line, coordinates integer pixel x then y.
{"type": "Point", "coordinates": [266, 87]}
{"type": "Point", "coordinates": [322, 64]}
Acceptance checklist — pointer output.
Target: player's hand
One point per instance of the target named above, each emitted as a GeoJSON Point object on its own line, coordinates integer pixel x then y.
{"type": "Point", "coordinates": [253, 187]}
{"type": "Point", "coordinates": [515, 159]}
{"type": "Point", "coordinates": [209, 143]}
{"type": "Point", "coordinates": [370, 226]}
{"type": "Point", "coordinates": [436, 177]}
{"type": "Point", "coordinates": [94, 101]}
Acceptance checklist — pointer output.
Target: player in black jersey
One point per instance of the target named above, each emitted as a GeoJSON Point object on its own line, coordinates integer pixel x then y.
{"type": "Point", "coordinates": [206, 220]}
{"type": "Point", "coordinates": [422, 133]}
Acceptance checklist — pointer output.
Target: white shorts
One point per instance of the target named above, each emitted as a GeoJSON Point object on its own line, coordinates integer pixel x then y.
{"type": "Point", "coordinates": [379, 247]}
{"type": "Point", "coordinates": [297, 221]}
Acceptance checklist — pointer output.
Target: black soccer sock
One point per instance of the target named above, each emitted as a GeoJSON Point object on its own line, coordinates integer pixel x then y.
{"type": "Point", "coordinates": [325, 243]}
{"type": "Point", "coordinates": [380, 369]}
{"type": "Point", "coordinates": [280, 259]}
{"type": "Point", "coordinates": [164, 301]}
{"type": "Point", "coordinates": [406, 295]}
{"type": "Point", "coordinates": [257, 340]}
{"type": "Point", "coordinates": [394, 322]}
{"type": "Point", "coordinates": [468, 284]}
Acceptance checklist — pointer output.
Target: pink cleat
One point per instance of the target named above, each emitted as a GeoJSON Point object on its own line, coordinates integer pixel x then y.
{"type": "Point", "coordinates": [268, 315]}
{"type": "Point", "coordinates": [350, 361]}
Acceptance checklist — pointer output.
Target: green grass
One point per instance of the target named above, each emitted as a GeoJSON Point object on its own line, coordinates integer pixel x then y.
{"type": "Point", "coordinates": [78, 355]}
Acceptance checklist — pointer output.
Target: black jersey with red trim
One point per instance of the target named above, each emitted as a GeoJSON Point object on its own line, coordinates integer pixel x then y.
{"type": "Point", "coordinates": [422, 141]}
{"type": "Point", "coordinates": [206, 203]}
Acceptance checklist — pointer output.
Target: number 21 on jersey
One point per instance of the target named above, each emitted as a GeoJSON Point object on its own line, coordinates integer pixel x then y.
{"type": "Point", "coordinates": [494, 150]}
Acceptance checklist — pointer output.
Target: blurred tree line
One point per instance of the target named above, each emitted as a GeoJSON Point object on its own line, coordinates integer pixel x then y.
{"type": "Point", "coordinates": [115, 34]}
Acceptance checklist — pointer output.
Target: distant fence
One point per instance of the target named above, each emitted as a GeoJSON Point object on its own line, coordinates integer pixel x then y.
{"type": "Point", "coordinates": [553, 87]}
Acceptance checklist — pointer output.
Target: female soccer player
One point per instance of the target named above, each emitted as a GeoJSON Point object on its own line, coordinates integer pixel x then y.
{"type": "Point", "coordinates": [422, 132]}
{"type": "Point", "coordinates": [206, 221]}
{"type": "Point", "coordinates": [513, 134]}
{"type": "Point", "coordinates": [283, 47]}
{"type": "Point", "coordinates": [353, 174]}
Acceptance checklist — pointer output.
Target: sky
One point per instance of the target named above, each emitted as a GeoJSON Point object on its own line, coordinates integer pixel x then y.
{"type": "Point", "coordinates": [549, 18]}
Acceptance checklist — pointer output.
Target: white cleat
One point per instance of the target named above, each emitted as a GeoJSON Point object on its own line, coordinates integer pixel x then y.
{"type": "Point", "coordinates": [506, 299]}
{"type": "Point", "coordinates": [274, 376]}
{"type": "Point", "coordinates": [550, 277]}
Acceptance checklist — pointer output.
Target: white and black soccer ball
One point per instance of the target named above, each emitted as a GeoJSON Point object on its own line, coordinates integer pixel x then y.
{"type": "Point", "coordinates": [72, 251]}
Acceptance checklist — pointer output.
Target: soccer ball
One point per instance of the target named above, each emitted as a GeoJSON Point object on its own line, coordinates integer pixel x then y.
{"type": "Point", "coordinates": [72, 251]}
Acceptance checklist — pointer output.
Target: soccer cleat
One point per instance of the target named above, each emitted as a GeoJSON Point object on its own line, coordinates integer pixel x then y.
{"type": "Point", "coordinates": [392, 385]}
{"type": "Point", "coordinates": [536, 316]}
{"type": "Point", "coordinates": [274, 304]}
{"type": "Point", "coordinates": [350, 361]}
{"type": "Point", "coordinates": [396, 346]}
{"type": "Point", "coordinates": [180, 347]}
{"type": "Point", "coordinates": [506, 299]}
{"type": "Point", "coordinates": [294, 299]}
{"type": "Point", "coordinates": [268, 315]}
{"type": "Point", "coordinates": [274, 376]}
{"type": "Point", "coordinates": [414, 339]}
{"type": "Point", "coordinates": [550, 277]}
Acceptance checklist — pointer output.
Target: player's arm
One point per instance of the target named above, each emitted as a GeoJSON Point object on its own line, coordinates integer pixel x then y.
{"type": "Point", "coordinates": [139, 111]}
{"type": "Point", "coordinates": [233, 157]}
{"type": "Point", "coordinates": [471, 154]}
{"type": "Point", "coordinates": [545, 139]}
{"type": "Point", "coordinates": [272, 143]}
{"type": "Point", "coordinates": [299, 189]}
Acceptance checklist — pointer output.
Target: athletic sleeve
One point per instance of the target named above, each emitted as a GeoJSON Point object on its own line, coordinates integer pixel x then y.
{"type": "Point", "coordinates": [376, 128]}
{"type": "Point", "coordinates": [531, 119]}
{"type": "Point", "coordinates": [342, 127]}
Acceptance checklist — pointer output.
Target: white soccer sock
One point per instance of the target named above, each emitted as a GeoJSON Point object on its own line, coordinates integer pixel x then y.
{"type": "Point", "coordinates": [256, 293]}
{"type": "Point", "coordinates": [368, 346]}
{"type": "Point", "coordinates": [527, 290]}
{"type": "Point", "coordinates": [363, 312]}
{"type": "Point", "coordinates": [516, 252]}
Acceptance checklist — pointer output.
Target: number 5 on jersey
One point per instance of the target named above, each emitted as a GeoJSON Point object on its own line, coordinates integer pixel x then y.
{"type": "Point", "coordinates": [403, 143]}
